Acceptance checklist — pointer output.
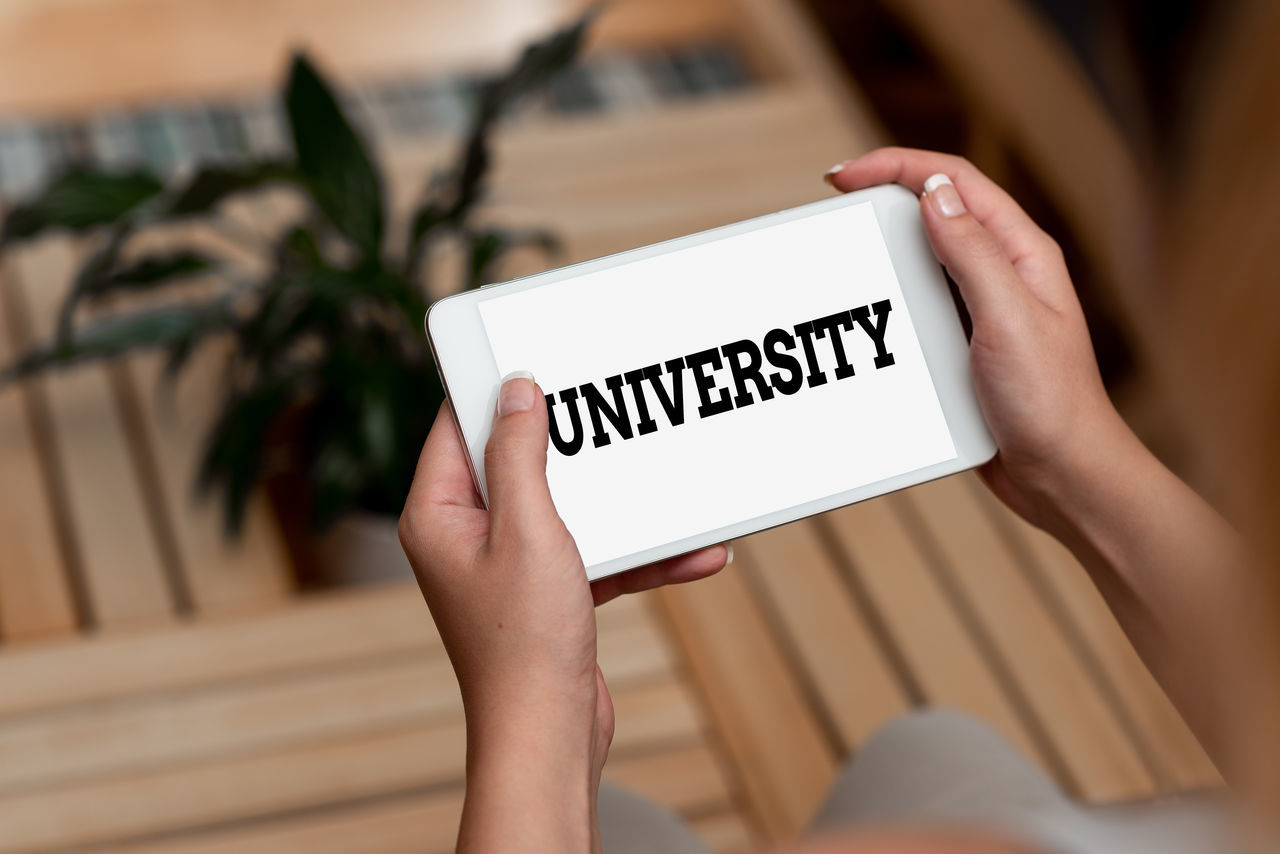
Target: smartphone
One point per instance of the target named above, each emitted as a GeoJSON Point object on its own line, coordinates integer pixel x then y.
{"type": "Point", "coordinates": [711, 386]}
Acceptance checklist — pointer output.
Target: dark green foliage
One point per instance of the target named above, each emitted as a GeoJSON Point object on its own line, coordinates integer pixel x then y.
{"type": "Point", "coordinates": [332, 161]}
{"type": "Point", "coordinates": [329, 370]}
{"type": "Point", "coordinates": [490, 243]}
{"type": "Point", "coordinates": [113, 336]}
{"type": "Point", "coordinates": [211, 184]}
{"type": "Point", "coordinates": [79, 200]}
{"type": "Point", "coordinates": [451, 196]}
{"type": "Point", "coordinates": [148, 270]}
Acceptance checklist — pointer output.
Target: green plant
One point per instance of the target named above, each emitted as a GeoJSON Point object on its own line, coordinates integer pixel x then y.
{"type": "Point", "coordinates": [327, 343]}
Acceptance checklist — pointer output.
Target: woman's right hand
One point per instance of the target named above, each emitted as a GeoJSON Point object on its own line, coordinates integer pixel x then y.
{"type": "Point", "coordinates": [1034, 368]}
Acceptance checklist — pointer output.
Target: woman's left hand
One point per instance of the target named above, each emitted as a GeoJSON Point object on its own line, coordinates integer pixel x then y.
{"type": "Point", "coordinates": [510, 595]}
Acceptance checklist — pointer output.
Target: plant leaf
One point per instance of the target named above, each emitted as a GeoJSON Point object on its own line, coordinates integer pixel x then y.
{"type": "Point", "coordinates": [287, 314]}
{"type": "Point", "coordinates": [299, 249]}
{"type": "Point", "coordinates": [236, 445]}
{"type": "Point", "coordinates": [336, 478]}
{"type": "Point", "coordinates": [333, 162]}
{"type": "Point", "coordinates": [150, 270]}
{"type": "Point", "coordinates": [97, 279]}
{"type": "Point", "coordinates": [538, 64]}
{"type": "Point", "coordinates": [211, 184]}
{"type": "Point", "coordinates": [78, 200]}
{"type": "Point", "coordinates": [366, 427]}
{"type": "Point", "coordinates": [547, 57]}
{"type": "Point", "coordinates": [97, 265]}
{"type": "Point", "coordinates": [450, 198]}
{"type": "Point", "coordinates": [114, 335]}
{"type": "Point", "coordinates": [426, 219]}
{"type": "Point", "coordinates": [490, 243]}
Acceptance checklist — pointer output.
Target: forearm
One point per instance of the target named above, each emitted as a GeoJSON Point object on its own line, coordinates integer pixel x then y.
{"type": "Point", "coordinates": [1174, 573]}
{"type": "Point", "coordinates": [530, 781]}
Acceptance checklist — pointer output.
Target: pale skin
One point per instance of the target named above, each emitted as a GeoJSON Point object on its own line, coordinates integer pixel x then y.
{"type": "Point", "coordinates": [507, 588]}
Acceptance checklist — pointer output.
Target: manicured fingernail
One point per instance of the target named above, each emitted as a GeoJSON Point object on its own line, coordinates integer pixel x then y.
{"type": "Point", "coordinates": [942, 193]}
{"type": "Point", "coordinates": [830, 174]}
{"type": "Point", "coordinates": [728, 553]}
{"type": "Point", "coordinates": [517, 394]}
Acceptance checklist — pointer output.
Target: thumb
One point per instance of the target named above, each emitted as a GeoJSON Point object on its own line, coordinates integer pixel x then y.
{"type": "Point", "coordinates": [988, 283]}
{"type": "Point", "coordinates": [515, 459]}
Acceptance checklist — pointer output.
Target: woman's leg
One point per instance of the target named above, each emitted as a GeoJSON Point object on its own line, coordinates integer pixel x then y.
{"type": "Point", "coordinates": [936, 767]}
{"type": "Point", "coordinates": [943, 768]}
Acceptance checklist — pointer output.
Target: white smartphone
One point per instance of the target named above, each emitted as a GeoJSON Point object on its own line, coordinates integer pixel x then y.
{"type": "Point", "coordinates": [718, 384]}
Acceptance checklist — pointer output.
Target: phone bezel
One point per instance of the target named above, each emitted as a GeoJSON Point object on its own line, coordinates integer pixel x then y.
{"type": "Point", "coordinates": [470, 377]}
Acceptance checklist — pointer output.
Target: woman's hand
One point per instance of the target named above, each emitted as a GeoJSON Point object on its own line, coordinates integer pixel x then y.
{"type": "Point", "coordinates": [1033, 363]}
{"type": "Point", "coordinates": [509, 593]}
{"type": "Point", "coordinates": [1173, 572]}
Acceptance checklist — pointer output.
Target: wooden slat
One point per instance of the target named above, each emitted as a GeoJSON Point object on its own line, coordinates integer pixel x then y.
{"type": "Point", "coordinates": [415, 826]}
{"type": "Point", "coordinates": [98, 741]}
{"type": "Point", "coordinates": [36, 600]}
{"type": "Point", "coordinates": [411, 825]}
{"type": "Point", "coordinates": [724, 135]}
{"type": "Point", "coordinates": [773, 738]}
{"type": "Point", "coordinates": [685, 779]}
{"type": "Point", "coordinates": [1168, 741]}
{"type": "Point", "coordinates": [222, 575]}
{"type": "Point", "coordinates": [322, 630]}
{"type": "Point", "coordinates": [1102, 762]}
{"type": "Point", "coordinates": [234, 788]}
{"type": "Point", "coordinates": [684, 170]}
{"type": "Point", "coordinates": [237, 788]}
{"type": "Point", "coordinates": [219, 574]}
{"type": "Point", "coordinates": [115, 542]}
{"type": "Point", "coordinates": [423, 825]}
{"type": "Point", "coordinates": [833, 646]}
{"type": "Point", "coordinates": [183, 50]}
{"type": "Point", "coordinates": [56, 764]}
{"type": "Point", "coordinates": [631, 640]}
{"type": "Point", "coordinates": [178, 746]}
{"type": "Point", "coordinates": [946, 664]}
{"type": "Point", "coordinates": [725, 833]}
{"type": "Point", "coordinates": [663, 711]}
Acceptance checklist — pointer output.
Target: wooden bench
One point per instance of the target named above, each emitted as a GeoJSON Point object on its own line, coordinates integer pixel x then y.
{"type": "Point", "coordinates": [222, 730]}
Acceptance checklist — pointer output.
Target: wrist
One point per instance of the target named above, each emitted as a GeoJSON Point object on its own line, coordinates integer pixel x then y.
{"type": "Point", "coordinates": [530, 703]}
{"type": "Point", "coordinates": [532, 771]}
{"type": "Point", "coordinates": [550, 722]}
{"type": "Point", "coordinates": [1094, 480]}
{"type": "Point", "coordinates": [534, 724]}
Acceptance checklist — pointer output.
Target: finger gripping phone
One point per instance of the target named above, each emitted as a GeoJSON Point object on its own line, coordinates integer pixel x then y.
{"type": "Point", "coordinates": [718, 384]}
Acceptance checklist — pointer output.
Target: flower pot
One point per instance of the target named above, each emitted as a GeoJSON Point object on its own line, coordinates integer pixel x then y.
{"type": "Point", "coordinates": [360, 548]}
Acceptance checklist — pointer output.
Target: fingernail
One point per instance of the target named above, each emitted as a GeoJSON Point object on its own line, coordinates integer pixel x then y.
{"type": "Point", "coordinates": [830, 174]}
{"type": "Point", "coordinates": [517, 393]}
{"type": "Point", "coordinates": [728, 553]}
{"type": "Point", "coordinates": [942, 193]}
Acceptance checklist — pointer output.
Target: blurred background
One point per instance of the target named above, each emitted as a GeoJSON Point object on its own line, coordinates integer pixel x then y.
{"type": "Point", "coordinates": [223, 221]}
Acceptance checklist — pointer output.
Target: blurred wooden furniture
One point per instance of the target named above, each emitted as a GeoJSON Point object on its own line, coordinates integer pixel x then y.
{"type": "Point", "coordinates": [168, 693]}
{"type": "Point", "coordinates": [1027, 96]}
{"type": "Point", "coordinates": [104, 530]}
{"type": "Point", "coordinates": [331, 724]}
{"type": "Point", "coordinates": [1031, 109]}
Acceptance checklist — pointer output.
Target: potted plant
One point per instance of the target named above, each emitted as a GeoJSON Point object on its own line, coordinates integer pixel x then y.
{"type": "Point", "coordinates": [327, 361]}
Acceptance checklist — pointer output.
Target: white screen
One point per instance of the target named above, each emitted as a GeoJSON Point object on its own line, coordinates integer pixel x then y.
{"type": "Point", "coordinates": [712, 470]}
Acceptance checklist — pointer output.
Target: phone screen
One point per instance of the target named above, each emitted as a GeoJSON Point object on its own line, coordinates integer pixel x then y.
{"type": "Point", "coordinates": [724, 381]}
